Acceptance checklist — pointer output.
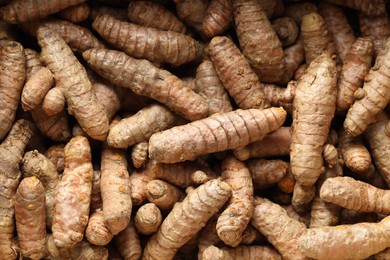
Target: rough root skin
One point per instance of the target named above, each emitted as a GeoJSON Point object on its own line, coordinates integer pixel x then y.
{"type": "Point", "coordinates": [73, 194]}
{"type": "Point", "coordinates": [72, 78]}
{"type": "Point", "coordinates": [314, 107]}
{"type": "Point", "coordinates": [218, 132]}
{"type": "Point", "coordinates": [218, 17]}
{"type": "Point", "coordinates": [144, 79]}
{"type": "Point", "coordinates": [187, 218]}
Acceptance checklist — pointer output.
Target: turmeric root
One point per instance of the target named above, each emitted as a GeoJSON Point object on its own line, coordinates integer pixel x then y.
{"type": "Point", "coordinates": [316, 37]}
{"type": "Point", "coordinates": [324, 213]}
{"type": "Point", "coordinates": [192, 12]}
{"type": "Point", "coordinates": [234, 219]}
{"type": "Point", "coordinates": [72, 200]}
{"type": "Point", "coordinates": [36, 164]}
{"type": "Point", "coordinates": [78, 38]}
{"type": "Point", "coordinates": [216, 133]}
{"type": "Point", "coordinates": [139, 154]}
{"type": "Point", "coordinates": [376, 96]}
{"type": "Point", "coordinates": [331, 155]}
{"type": "Point", "coordinates": [97, 232]}
{"type": "Point", "coordinates": [266, 173]}
{"type": "Point", "coordinates": [141, 126]}
{"type": "Point", "coordinates": [163, 194]}
{"type": "Point", "coordinates": [113, 31]}
{"type": "Point", "coordinates": [302, 197]}
{"type": "Point", "coordinates": [314, 106]}
{"type": "Point", "coordinates": [258, 40]}
{"type": "Point", "coordinates": [30, 215]}
{"type": "Point", "coordinates": [154, 15]}
{"type": "Point", "coordinates": [76, 13]}
{"type": "Point", "coordinates": [187, 217]}
{"type": "Point", "coordinates": [218, 17]}
{"type": "Point", "coordinates": [379, 143]}
{"type": "Point", "coordinates": [377, 28]}
{"type": "Point", "coordinates": [36, 88]}
{"type": "Point", "coordinates": [357, 241]}
{"type": "Point", "coordinates": [286, 29]}
{"type": "Point", "coordinates": [12, 76]}
{"type": "Point", "coordinates": [356, 195]}
{"type": "Point", "coordinates": [281, 97]}
{"type": "Point", "coordinates": [128, 243]}
{"type": "Point", "coordinates": [276, 143]}
{"type": "Point", "coordinates": [355, 155]}
{"type": "Point", "coordinates": [11, 153]}
{"type": "Point", "coordinates": [53, 102]}
{"type": "Point", "coordinates": [241, 252]}
{"type": "Point", "coordinates": [73, 81]}
{"type": "Point", "coordinates": [356, 65]}
{"type": "Point", "coordinates": [145, 79]}
{"type": "Point", "coordinates": [20, 10]}
{"type": "Point", "coordinates": [236, 74]}
{"type": "Point", "coordinates": [55, 154]}
{"type": "Point", "coordinates": [280, 230]}
{"type": "Point", "coordinates": [148, 219]}
{"type": "Point", "coordinates": [297, 10]}
{"type": "Point", "coordinates": [209, 86]}
{"type": "Point", "coordinates": [115, 189]}
{"type": "Point", "coordinates": [208, 236]}
{"type": "Point", "coordinates": [372, 8]}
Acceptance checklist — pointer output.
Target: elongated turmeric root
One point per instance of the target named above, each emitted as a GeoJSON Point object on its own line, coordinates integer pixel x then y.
{"type": "Point", "coordinates": [72, 78]}
{"type": "Point", "coordinates": [11, 153]}
{"type": "Point", "coordinates": [76, 13]}
{"type": "Point", "coordinates": [377, 28]}
{"type": "Point", "coordinates": [376, 90]}
{"type": "Point", "coordinates": [218, 17]}
{"type": "Point", "coordinates": [258, 40]}
{"type": "Point", "coordinates": [187, 218]}
{"type": "Point", "coordinates": [216, 133]}
{"type": "Point", "coordinates": [145, 79]}
{"type": "Point", "coordinates": [317, 88]}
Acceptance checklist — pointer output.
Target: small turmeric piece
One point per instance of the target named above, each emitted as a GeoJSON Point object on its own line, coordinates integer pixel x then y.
{"type": "Point", "coordinates": [280, 230]}
{"type": "Point", "coordinates": [21, 10]}
{"type": "Point", "coordinates": [379, 143]}
{"type": "Point", "coordinates": [76, 13]}
{"type": "Point", "coordinates": [218, 132]}
{"type": "Point", "coordinates": [78, 38]}
{"type": "Point", "coordinates": [258, 40]}
{"type": "Point", "coordinates": [73, 81]}
{"type": "Point", "coordinates": [357, 241]}
{"type": "Point", "coordinates": [174, 48]}
{"type": "Point", "coordinates": [128, 243]}
{"type": "Point", "coordinates": [377, 28]}
{"type": "Point", "coordinates": [139, 154]}
{"type": "Point", "coordinates": [163, 194]}
{"type": "Point", "coordinates": [145, 79]}
{"type": "Point", "coordinates": [55, 154]}
{"type": "Point", "coordinates": [209, 86]}
{"type": "Point", "coordinates": [314, 107]}
{"type": "Point", "coordinates": [369, 7]}
{"type": "Point", "coordinates": [276, 143]}
{"type": "Point", "coordinates": [339, 27]}
{"type": "Point", "coordinates": [73, 194]}
{"type": "Point", "coordinates": [11, 153]}
{"type": "Point", "coordinates": [36, 88]}
{"type": "Point", "coordinates": [302, 197]}
{"type": "Point", "coordinates": [192, 12]}
{"type": "Point", "coordinates": [355, 155]}
{"type": "Point", "coordinates": [187, 218]}
{"type": "Point", "coordinates": [148, 219]}
{"type": "Point", "coordinates": [236, 74]}
{"type": "Point", "coordinates": [316, 36]}
{"type": "Point", "coordinates": [239, 209]}
{"type": "Point", "coordinates": [12, 76]}
{"type": "Point", "coordinates": [154, 15]}
{"type": "Point", "coordinates": [241, 252]}
{"type": "Point", "coordinates": [115, 189]}
{"type": "Point", "coordinates": [266, 173]}
{"type": "Point", "coordinates": [355, 195]}
{"type": "Point", "coordinates": [331, 155]}
{"type": "Point", "coordinates": [356, 66]}
{"type": "Point", "coordinates": [286, 29]}
{"type": "Point", "coordinates": [97, 232]}
{"type": "Point", "coordinates": [218, 17]}
{"type": "Point", "coordinates": [141, 126]}
{"type": "Point", "coordinates": [30, 215]}
{"type": "Point", "coordinates": [53, 102]}
{"type": "Point", "coordinates": [38, 165]}
{"type": "Point", "coordinates": [376, 90]}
